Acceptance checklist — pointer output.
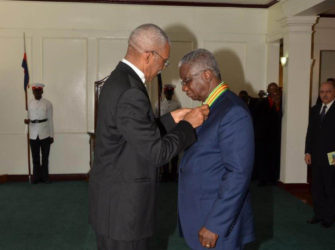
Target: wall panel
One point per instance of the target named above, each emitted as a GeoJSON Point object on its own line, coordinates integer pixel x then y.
{"type": "Point", "coordinates": [323, 40]}
{"type": "Point", "coordinates": [65, 74]}
{"type": "Point", "coordinates": [69, 154]}
{"type": "Point", "coordinates": [71, 45]}
{"type": "Point", "coordinates": [13, 154]}
{"type": "Point", "coordinates": [231, 57]}
{"type": "Point", "coordinates": [170, 75]}
{"type": "Point", "coordinates": [110, 52]}
{"type": "Point", "coordinates": [12, 96]}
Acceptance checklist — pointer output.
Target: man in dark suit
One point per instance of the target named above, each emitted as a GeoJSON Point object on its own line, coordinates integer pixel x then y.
{"type": "Point", "coordinates": [320, 141]}
{"type": "Point", "coordinates": [249, 101]}
{"type": "Point", "coordinates": [267, 122]}
{"type": "Point", "coordinates": [129, 146]}
{"type": "Point", "coordinates": [213, 194]}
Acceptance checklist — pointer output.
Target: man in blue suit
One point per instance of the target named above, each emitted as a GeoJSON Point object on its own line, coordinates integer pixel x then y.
{"type": "Point", "coordinates": [213, 198]}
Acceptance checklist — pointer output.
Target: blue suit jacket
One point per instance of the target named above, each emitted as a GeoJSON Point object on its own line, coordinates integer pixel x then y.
{"type": "Point", "coordinates": [215, 174]}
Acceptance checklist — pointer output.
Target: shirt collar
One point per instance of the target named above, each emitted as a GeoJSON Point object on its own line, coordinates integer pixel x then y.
{"type": "Point", "coordinates": [137, 70]}
{"type": "Point", "coordinates": [328, 105]}
{"type": "Point", "coordinates": [38, 100]}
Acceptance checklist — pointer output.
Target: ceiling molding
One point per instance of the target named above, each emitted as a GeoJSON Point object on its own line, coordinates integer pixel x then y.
{"type": "Point", "coordinates": [170, 3]}
{"type": "Point", "coordinates": [327, 15]}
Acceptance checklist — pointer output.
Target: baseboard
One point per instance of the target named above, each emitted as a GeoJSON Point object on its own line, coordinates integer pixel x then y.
{"type": "Point", "coordinates": [299, 190]}
{"type": "Point", "coordinates": [52, 177]}
{"type": "Point", "coordinates": [290, 186]}
{"type": "Point", "coordinates": [3, 178]}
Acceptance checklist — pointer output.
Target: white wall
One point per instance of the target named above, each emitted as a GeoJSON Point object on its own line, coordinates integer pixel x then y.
{"type": "Point", "coordinates": [324, 39]}
{"type": "Point", "coordinates": [70, 45]}
{"type": "Point", "coordinates": [324, 31]}
{"type": "Point", "coordinates": [285, 21]}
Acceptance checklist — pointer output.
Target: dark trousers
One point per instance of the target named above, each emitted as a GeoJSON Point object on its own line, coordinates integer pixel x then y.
{"type": "Point", "coordinates": [267, 162]}
{"type": "Point", "coordinates": [323, 191]}
{"type": "Point", "coordinates": [166, 175]}
{"type": "Point", "coordinates": [105, 243]}
{"type": "Point", "coordinates": [40, 171]}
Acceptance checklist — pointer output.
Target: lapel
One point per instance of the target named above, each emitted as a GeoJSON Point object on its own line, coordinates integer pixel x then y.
{"type": "Point", "coordinates": [134, 78]}
{"type": "Point", "coordinates": [316, 113]}
{"type": "Point", "coordinates": [212, 109]}
{"type": "Point", "coordinates": [135, 81]}
{"type": "Point", "coordinates": [330, 110]}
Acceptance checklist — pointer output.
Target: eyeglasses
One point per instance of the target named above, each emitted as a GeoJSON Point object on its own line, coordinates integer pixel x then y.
{"type": "Point", "coordinates": [165, 60]}
{"type": "Point", "coordinates": [188, 80]}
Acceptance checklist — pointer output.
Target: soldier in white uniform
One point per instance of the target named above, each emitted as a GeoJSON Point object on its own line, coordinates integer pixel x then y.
{"type": "Point", "coordinates": [41, 133]}
{"type": "Point", "coordinates": [168, 104]}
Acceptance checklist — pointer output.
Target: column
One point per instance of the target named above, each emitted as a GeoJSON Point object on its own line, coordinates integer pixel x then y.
{"type": "Point", "coordinates": [296, 92]}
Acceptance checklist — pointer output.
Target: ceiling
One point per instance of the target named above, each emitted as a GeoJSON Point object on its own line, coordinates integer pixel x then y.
{"type": "Point", "coordinates": [242, 2]}
{"type": "Point", "coordinates": [330, 12]}
{"type": "Point", "coordinates": [209, 3]}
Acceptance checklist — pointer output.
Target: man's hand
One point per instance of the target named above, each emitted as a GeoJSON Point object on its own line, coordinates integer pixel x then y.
{"type": "Point", "coordinates": [179, 114]}
{"type": "Point", "coordinates": [197, 116]}
{"type": "Point", "coordinates": [26, 121]}
{"type": "Point", "coordinates": [207, 238]}
{"type": "Point", "coordinates": [308, 159]}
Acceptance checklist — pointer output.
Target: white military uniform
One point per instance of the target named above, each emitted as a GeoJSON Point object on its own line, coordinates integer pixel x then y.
{"type": "Point", "coordinates": [40, 110]}
{"type": "Point", "coordinates": [167, 106]}
{"type": "Point", "coordinates": [41, 131]}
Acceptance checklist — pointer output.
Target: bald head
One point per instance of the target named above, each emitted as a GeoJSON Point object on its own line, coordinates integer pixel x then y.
{"type": "Point", "coordinates": [148, 50]}
{"type": "Point", "coordinates": [148, 37]}
{"type": "Point", "coordinates": [327, 92]}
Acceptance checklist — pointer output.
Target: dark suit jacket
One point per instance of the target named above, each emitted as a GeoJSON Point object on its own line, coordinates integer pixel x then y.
{"type": "Point", "coordinates": [320, 138]}
{"type": "Point", "coordinates": [268, 122]}
{"type": "Point", "coordinates": [215, 174]}
{"type": "Point", "coordinates": [129, 146]}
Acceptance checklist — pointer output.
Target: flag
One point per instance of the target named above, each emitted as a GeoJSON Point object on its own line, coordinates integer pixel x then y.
{"type": "Point", "coordinates": [26, 72]}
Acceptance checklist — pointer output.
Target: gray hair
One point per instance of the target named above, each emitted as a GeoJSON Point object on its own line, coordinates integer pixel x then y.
{"type": "Point", "coordinates": [147, 37]}
{"type": "Point", "coordinates": [203, 59]}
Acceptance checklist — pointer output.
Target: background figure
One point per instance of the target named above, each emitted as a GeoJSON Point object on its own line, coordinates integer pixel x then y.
{"type": "Point", "coordinates": [40, 120]}
{"type": "Point", "coordinates": [262, 94]}
{"type": "Point", "coordinates": [167, 105]}
{"type": "Point", "coordinates": [129, 147]}
{"type": "Point", "coordinates": [253, 105]}
{"type": "Point", "coordinates": [330, 80]}
{"type": "Point", "coordinates": [267, 122]}
{"type": "Point", "coordinates": [251, 102]}
{"type": "Point", "coordinates": [213, 194]}
{"type": "Point", "coordinates": [244, 96]}
{"type": "Point", "coordinates": [320, 141]}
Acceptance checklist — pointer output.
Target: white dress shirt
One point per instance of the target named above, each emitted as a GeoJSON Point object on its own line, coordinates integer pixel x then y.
{"type": "Point", "coordinates": [328, 106]}
{"type": "Point", "coordinates": [40, 110]}
{"type": "Point", "coordinates": [137, 70]}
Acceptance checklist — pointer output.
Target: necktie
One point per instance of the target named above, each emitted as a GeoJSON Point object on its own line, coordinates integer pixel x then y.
{"type": "Point", "coordinates": [323, 112]}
